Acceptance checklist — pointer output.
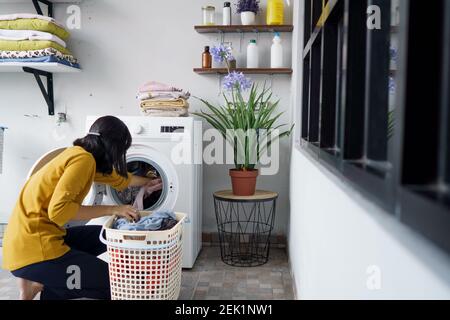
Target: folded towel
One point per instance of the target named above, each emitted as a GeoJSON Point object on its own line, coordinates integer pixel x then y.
{"type": "Point", "coordinates": [7, 54]}
{"type": "Point", "coordinates": [154, 86]}
{"type": "Point", "coordinates": [42, 59]}
{"type": "Point", "coordinates": [153, 222]}
{"type": "Point", "coordinates": [15, 16]}
{"type": "Point", "coordinates": [158, 104]}
{"type": "Point", "coordinates": [165, 113]}
{"type": "Point", "coordinates": [33, 22]}
{"type": "Point", "coordinates": [163, 95]}
{"type": "Point", "coordinates": [27, 45]}
{"type": "Point", "coordinates": [18, 35]}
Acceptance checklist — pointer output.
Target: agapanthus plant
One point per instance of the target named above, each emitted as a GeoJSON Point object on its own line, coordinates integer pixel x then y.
{"type": "Point", "coordinates": [222, 53]}
{"type": "Point", "coordinates": [236, 80]}
{"type": "Point", "coordinates": [247, 5]}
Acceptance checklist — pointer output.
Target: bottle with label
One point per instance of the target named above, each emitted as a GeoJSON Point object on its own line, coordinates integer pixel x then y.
{"type": "Point", "coordinates": [227, 14]}
{"type": "Point", "coordinates": [275, 12]}
{"type": "Point", "coordinates": [206, 59]}
{"type": "Point", "coordinates": [276, 52]}
{"type": "Point", "coordinates": [252, 55]}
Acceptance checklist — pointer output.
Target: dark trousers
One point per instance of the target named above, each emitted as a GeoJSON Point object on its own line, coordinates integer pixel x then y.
{"type": "Point", "coordinates": [78, 273]}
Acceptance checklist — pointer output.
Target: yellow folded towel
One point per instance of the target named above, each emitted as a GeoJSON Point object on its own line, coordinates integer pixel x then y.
{"type": "Point", "coordinates": [160, 104]}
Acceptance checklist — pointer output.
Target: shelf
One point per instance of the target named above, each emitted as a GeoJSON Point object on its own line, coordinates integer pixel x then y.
{"type": "Point", "coordinates": [243, 29]}
{"type": "Point", "coordinates": [54, 1]}
{"type": "Point", "coordinates": [270, 71]}
{"type": "Point", "coordinates": [52, 67]}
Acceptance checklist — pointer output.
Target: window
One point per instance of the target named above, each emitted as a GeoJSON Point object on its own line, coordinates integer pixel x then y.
{"type": "Point", "coordinates": [375, 107]}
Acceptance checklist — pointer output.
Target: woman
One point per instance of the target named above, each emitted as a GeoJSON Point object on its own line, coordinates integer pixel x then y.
{"type": "Point", "coordinates": [61, 263]}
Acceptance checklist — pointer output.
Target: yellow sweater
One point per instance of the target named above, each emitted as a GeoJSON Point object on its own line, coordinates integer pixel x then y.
{"type": "Point", "coordinates": [50, 199]}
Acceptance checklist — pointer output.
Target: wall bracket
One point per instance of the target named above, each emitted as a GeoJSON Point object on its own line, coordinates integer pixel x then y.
{"type": "Point", "coordinates": [47, 93]}
{"type": "Point", "coordinates": [49, 5]}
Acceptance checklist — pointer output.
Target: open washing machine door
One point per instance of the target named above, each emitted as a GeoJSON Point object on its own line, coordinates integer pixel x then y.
{"type": "Point", "coordinates": [142, 160]}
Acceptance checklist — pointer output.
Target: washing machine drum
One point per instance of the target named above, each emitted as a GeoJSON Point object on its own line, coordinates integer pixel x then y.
{"type": "Point", "coordinates": [145, 162]}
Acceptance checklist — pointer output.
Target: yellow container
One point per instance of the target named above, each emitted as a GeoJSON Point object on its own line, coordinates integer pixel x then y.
{"type": "Point", "coordinates": [275, 12]}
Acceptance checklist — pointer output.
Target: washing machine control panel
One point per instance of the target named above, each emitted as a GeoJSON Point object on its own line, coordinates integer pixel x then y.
{"type": "Point", "coordinates": [166, 129]}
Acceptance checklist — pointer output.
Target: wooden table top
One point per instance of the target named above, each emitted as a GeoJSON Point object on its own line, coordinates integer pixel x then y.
{"type": "Point", "coordinates": [260, 195]}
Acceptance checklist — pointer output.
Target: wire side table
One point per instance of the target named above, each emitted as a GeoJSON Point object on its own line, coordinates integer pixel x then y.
{"type": "Point", "coordinates": [245, 225]}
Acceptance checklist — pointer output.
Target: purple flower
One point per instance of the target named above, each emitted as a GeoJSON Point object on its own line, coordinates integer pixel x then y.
{"type": "Point", "coordinates": [221, 53]}
{"type": "Point", "coordinates": [237, 80]}
{"type": "Point", "coordinates": [247, 5]}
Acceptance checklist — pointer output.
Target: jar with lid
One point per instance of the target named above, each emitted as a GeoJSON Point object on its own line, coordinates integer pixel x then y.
{"type": "Point", "coordinates": [209, 15]}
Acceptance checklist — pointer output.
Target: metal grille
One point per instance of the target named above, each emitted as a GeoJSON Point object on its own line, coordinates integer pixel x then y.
{"type": "Point", "coordinates": [244, 231]}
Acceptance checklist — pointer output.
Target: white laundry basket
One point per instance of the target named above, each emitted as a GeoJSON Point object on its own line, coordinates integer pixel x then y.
{"type": "Point", "coordinates": [144, 265]}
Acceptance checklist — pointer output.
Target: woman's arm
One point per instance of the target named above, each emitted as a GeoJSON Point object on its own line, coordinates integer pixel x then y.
{"type": "Point", "coordinates": [137, 181]}
{"type": "Point", "coordinates": [91, 212]}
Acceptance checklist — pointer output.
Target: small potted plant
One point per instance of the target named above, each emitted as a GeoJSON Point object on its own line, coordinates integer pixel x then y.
{"type": "Point", "coordinates": [248, 9]}
{"type": "Point", "coordinates": [238, 118]}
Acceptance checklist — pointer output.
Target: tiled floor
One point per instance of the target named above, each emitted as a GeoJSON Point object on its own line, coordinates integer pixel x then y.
{"type": "Point", "coordinates": [211, 279]}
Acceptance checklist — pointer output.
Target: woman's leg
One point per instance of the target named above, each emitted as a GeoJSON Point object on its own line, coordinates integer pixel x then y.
{"type": "Point", "coordinates": [73, 276]}
{"type": "Point", "coordinates": [85, 238]}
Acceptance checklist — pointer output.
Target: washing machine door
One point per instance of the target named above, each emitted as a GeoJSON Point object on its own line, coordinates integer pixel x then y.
{"type": "Point", "coordinates": [142, 160]}
{"type": "Point", "coordinates": [42, 161]}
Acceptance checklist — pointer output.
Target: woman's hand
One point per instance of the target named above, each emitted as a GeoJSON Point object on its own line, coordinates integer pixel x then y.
{"type": "Point", "coordinates": [153, 185]}
{"type": "Point", "coordinates": [127, 212]}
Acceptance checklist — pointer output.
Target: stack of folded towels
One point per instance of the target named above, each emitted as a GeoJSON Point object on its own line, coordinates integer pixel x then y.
{"type": "Point", "coordinates": [160, 100]}
{"type": "Point", "coordinates": [34, 38]}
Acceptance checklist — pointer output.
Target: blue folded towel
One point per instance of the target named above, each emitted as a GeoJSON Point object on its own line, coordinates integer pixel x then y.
{"type": "Point", "coordinates": [152, 222]}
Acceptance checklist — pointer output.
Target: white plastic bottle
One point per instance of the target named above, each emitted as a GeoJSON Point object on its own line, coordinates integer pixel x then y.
{"type": "Point", "coordinates": [227, 14]}
{"type": "Point", "coordinates": [252, 55]}
{"type": "Point", "coordinates": [276, 52]}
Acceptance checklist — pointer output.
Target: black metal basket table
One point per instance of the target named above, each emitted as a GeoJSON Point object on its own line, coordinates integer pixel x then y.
{"type": "Point", "coordinates": [245, 225]}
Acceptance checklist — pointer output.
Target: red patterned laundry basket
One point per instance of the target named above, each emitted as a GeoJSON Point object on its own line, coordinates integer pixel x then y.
{"type": "Point", "coordinates": [144, 265]}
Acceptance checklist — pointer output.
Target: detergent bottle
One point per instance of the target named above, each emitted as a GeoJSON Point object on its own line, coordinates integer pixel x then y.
{"type": "Point", "coordinates": [275, 12]}
{"type": "Point", "coordinates": [276, 52]}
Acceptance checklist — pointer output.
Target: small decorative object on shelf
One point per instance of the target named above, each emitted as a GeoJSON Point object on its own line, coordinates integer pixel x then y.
{"type": "Point", "coordinates": [275, 12]}
{"type": "Point", "coordinates": [254, 116]}
{"type": "Point", "coordinates": [232, 63]}
{"type": "Point", "coordinates": [245, 226]}
{"type": "Point", "coordinates": [209, 15]}
{"type": "Point", "coordinates": [227, 14]}
{"type": "Point", "coordinates": [206, 59]}
{"type": "Point", "coordinates": [248, 9]}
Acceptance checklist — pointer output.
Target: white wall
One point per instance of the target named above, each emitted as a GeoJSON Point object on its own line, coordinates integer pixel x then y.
{"type": "Point", "coordinates": [121, 45]}
{"type": "Point", "coordinates": [335, 235]}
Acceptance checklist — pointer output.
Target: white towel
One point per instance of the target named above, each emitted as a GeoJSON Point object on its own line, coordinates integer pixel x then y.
{"type": "Point", "coordinates": [163, 95]}
{"type": "Point", "coordinates": [15, 16]}
{"type": "Point", "coordinates": [19, 35]}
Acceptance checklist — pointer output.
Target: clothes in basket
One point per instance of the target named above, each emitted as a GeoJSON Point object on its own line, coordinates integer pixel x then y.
{"type": "Point", "coordinates": [160, 220]}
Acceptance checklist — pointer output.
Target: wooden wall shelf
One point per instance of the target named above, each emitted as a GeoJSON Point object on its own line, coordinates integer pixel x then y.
{"type": "Point", "coordinates": [243, 29]}
{"type": "Point", "coordinates": [270, 71]}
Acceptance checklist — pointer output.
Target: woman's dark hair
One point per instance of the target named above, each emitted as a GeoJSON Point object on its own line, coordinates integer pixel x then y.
{"type": "Point", "coordinates": [108, 141]}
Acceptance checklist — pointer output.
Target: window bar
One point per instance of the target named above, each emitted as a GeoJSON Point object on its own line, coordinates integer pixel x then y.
{"type": "Point", "coordinates": [328, 88]}
{"type": "Point", "coordinates": [306, 94]}
{"type": "Point", "coordinates": [444, 169]}
{"type": "Point", "coordinates": [356, 28]}
{"type": "Point", "coordinates": [377, 84]}
{"type": "Point", "coordinates": [314, 104]}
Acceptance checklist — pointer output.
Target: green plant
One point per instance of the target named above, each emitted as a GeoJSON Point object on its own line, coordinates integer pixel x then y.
{"type": "Point", "coordinates": [249, 126]}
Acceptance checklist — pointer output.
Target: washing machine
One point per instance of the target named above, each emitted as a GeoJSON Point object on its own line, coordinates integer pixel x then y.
{"type": "Point", "coordinates": [169, 149]}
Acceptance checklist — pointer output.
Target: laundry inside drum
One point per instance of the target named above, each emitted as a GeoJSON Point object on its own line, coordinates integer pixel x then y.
{"type": "Point", "coordinates": [143, 169]}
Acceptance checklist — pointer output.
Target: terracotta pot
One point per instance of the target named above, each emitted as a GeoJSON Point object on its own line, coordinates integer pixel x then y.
{"type": "Point", "coordinates": [243, 182]}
